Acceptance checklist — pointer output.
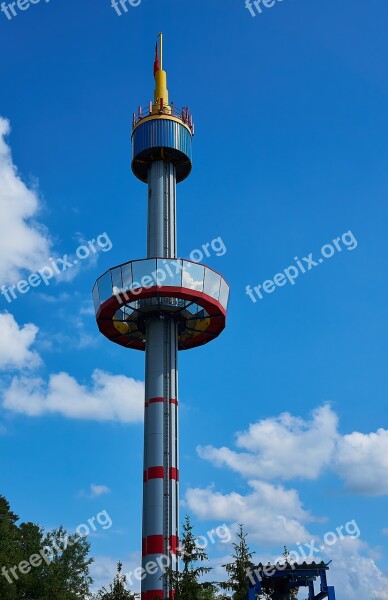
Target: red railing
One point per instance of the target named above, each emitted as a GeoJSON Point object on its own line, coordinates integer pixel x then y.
{"type": "Point", "coordinates": [183, 114]}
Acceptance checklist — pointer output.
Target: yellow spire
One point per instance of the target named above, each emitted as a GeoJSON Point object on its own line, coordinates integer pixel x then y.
{"type": "Point", "coordinates": [161, 102]}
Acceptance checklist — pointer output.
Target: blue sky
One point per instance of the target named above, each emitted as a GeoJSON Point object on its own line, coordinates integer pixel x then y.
{"type": "Point", "coordinates": [290, 153]}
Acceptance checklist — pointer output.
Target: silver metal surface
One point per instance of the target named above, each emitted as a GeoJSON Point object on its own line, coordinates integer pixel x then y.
{"type": "Point", "coordinates": [160, 497]}
{"type": "Point", "coordinates": [161, 240]}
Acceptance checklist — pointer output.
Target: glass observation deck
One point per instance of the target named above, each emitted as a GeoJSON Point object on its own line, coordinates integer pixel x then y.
{"type": "Point", "coordinates": [192, 294]}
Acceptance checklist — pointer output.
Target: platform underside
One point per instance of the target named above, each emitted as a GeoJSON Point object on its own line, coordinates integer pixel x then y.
{"type": "Point", "coordinates": [126, 324]}
{"type": "Point", "coordinates": [140, 164]}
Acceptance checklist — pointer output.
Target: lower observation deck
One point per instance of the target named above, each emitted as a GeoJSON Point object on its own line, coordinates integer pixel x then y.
{"type": "Point", "coordinates": [194, 295]}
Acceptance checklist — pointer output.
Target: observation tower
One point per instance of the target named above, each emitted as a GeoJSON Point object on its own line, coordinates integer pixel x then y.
{"type": "Point", "coordinates": [161, 304]}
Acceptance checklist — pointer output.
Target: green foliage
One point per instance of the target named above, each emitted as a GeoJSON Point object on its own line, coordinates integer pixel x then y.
{"type": "Point", "coordinates": [209, 592]}
{"type": "Point", "coordinates": [117, 589]}
{"type": "Point", "coordinates": [294, 592]}
{"type": "Point", "coordinates": [186, 582]}
{"type": "Point", "coordinates": [38, 566]}
{"type": "Point", "coordinates": [10, 551]}
{"type": "Point", "coordinates": [237, 569]}
{"type": "Point", "coordinates": [67, 575]}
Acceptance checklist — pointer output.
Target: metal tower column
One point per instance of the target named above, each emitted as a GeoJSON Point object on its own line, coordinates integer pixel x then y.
{"type": "Point", "coordinates": [160, 490]}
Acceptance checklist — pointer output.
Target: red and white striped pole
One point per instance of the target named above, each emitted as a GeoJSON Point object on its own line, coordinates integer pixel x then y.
{"type": "Point", "coordinates": [161, 455]}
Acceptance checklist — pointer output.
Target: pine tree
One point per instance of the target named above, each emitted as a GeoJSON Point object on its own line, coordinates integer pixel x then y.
{"type": "Point", "coordinates": [118, 589]}
{"type": "Point", "coordinates": [186, 582]}
{"type": "Point", "coordinates": [293, 592]}
{"type": "Point", "coordinates": [237, 580]}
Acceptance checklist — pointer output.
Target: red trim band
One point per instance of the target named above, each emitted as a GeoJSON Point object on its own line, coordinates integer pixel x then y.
{"type": "Point", "coordinates": [154, 473]}
{"type": "Point", "coordinates": [174, 543]}
{"type": "Point", "coordinates": [152, 594]}
{"type": "Point", "coordinates": [153, 544]}
{"type": "Point", "coordinates": [158, 473]}
{"type": "Point", "coordinates": [154, 400]}
{"type": "Point", "coordinates": [161, 400]}
{"type": "Point", "coordinates": [174, 474]}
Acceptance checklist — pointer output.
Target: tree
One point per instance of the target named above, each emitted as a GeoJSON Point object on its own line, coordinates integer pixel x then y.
{"type": "Point", "coordinates": [294, 591]}
{"type": "Point", "coordinates": [118, 589]}
{"type": "Point", "coordinates": [10, 554]}
{"type": "Point", "coordinates": [210, 592]}
{"type": "Point", "coordinates": [32, 584]}
{"type": "Point", "coordinates": [237, 570]}
{"type": "Point", "coordinates": [291, 594]}
{"type": "Point", "coordinates": [67, 575]}
{"type": "Point", "coordinates": [186, 583]}
{"type": "Point", "coordinates": [39, 566]}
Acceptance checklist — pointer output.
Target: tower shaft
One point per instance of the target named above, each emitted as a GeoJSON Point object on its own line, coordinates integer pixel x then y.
{"type": "Point", "coordinates": [160, 491]}
{"type": "Point", "coordinates": [161, 235]}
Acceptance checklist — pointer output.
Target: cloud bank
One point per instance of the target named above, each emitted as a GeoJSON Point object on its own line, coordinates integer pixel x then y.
{"type": "Point", "coordinates": [287, 447]}
{"type": "Point", "coordinates": [107, 398]}
{"type": "Point", "coordinates": [24, 244]}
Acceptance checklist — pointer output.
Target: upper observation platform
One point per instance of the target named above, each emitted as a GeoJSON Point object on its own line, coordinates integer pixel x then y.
{"type": "Point", "coordinates": [161, 131]}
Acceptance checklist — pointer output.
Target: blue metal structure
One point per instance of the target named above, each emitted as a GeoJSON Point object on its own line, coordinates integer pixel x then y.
{"type": "Point", "coordinates": [168, 138]}
{"type": "Point", "coordinates": [279, 580]}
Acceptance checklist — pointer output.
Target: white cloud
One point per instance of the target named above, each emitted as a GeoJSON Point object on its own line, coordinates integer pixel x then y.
{"type": "Point", "coordinates": [15, 352]}
{"type": "Point", "coordinates": [103, 570]}
{"type": "Point", "coordinates": [24, 245]}
{"type": "Point", "coordinates": [284, 447]}
{"type": "Point", "coordinates": [77, 337]}
{"type": "Point", "coordinates": [108, 398]}
{"type": "Point", "coordinates": [271, 514]}
{"type": "Point", "coordinates": [98, 490]}
{"type": "Point", "coordinates": [94, 491]}
{"type": "Point", "coordinates": [288, 447]}
{"type": "Point", "coordinates": [354, 572]}
{"type": "Point", "coordinates": [362, 461]}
